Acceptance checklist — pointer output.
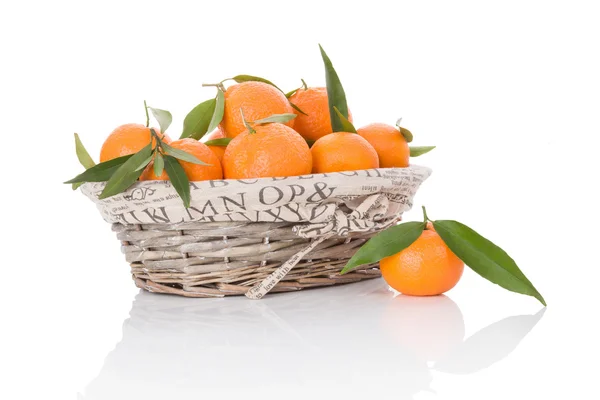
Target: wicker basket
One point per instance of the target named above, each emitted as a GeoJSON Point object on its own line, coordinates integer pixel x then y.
{"type": "Point", "coordinates": [196, 258]}
{"type": "Point", "coordinates": [218, 259]}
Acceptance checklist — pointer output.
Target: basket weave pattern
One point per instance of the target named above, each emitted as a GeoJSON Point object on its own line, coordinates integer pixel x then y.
{"type": "Point", "coordinates": [200, 259]}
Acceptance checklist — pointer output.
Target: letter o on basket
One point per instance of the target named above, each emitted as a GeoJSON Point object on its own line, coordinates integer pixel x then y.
{"type": "Point", "coordinates": [264, 196]}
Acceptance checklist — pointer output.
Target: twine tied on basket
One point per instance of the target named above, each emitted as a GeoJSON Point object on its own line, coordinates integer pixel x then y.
{"type": "Point", "coordinates": [365, 217]}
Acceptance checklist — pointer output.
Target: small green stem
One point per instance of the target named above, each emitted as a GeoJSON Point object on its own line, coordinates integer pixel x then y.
{"type": "Point", "coordinates": [147, 115]}
{"type": "Point", "coordinates": [158, 139]}
{"type": "Point", "coordinates": [219, 85]}
{"type": "Point", "coordinates": [304, 84]}
{"type": "Point", "coordinates": [425, 217]}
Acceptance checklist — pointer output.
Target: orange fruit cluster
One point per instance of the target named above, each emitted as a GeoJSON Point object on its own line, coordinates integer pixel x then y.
{"type": "Point", "coordinates": [273, 149]}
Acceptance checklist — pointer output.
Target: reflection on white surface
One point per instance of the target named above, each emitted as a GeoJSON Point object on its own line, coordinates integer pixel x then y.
{"type": "Point", "coordinates": [324, 337]}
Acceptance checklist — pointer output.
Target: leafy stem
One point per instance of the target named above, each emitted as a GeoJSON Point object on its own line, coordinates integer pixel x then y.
{"type": "Point", "coordinates": [425, 217]}
{"type": "Point", "coordinates": [158, 140]}
{"type": "Point", "coordinates": [304, 86]}
{"type": "Point", "coordinates": [147, 115]}
{"type": "Point", "coordinates": [218, 85]}
{"type": "Point", "coordinates": [293, 92]}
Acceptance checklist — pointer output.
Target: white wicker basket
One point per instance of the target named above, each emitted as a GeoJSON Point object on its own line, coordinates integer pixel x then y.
{"type": "Point", "coordinates": [255, 236]}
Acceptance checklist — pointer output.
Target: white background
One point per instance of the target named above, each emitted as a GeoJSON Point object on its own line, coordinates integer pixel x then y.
{"type": "Point", "coordinates": [509, 92]}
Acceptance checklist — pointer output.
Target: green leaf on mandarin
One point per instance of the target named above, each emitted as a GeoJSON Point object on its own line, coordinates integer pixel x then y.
{"type": "Point", "coordinates": [416, 151]}
{"type": "Point", "coordinates": [335, 93]}
{"type": "Point", "coordinates": [217, 116]}
{"type": "Point", "coordinates": [82, 154]}
{"type": "Point", "coordinates": [159, 164]}
{"type": "Point", "coordinates": [218, 142]}
{"type": "Point", "coordinates": [386, 243]}
{"type": "Point", "coordinates": [252, 78]}
{"type": "Point", "coordinates": [127, 173]}
{"type": "Point", "coordinates": [275, 118]}
{"type": "Point", "coordinates": [196, 122]}
{"type": "Point", "coordinates": [163, 117]}
{"type": "Point", "coordinates": [485, 258]}
{"type": "Point", "coordinates": [295, 107]}
{"type": "Point", "coordinates": [100, 172]}
{"type": "Point", "coordinates": [346, 125]}
{"type": "Point", "coordinates": [178, 178]}
{"type": "Point", "coordinates": [182, 155]}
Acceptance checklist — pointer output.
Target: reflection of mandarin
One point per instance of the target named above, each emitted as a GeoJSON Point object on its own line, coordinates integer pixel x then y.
{"type": "Point", "coordinates": [258, 100]}
{"type": "Point", "coordinates": [391, 147]}
{"type": "Point", "coordinates": [127, 139]}
{"type": "Point", "coordinates": [194, 172]}
{"type": "Point", "coordinates": [216, 134]}
{"type": "Point", "coordinates": [343, 151]}
{"type": "Point", "coordinates": [425, 268]}
{"type": "Point", "coordinates": [317, 121]}
{"type": "Point", "coordinates": [272, 150]}
{"type": "Point", "coordinates": [430, 327]}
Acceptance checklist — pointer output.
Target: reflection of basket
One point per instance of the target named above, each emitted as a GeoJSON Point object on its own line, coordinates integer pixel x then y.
{"type": "Point", "coordinates": [252, 250]}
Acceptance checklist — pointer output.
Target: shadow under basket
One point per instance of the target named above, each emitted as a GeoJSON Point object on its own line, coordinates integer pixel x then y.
{"type": "Point", "coordinates": [199, 259]}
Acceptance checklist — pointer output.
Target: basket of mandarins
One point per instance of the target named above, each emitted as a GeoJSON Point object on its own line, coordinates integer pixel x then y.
{"type": "Point", "coordinates": [265, 191]}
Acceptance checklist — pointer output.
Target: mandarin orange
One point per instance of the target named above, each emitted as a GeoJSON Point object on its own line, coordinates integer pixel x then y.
{"type": "Point", "coordinates": [343, 151]}
{"type": "Point", "coordinates": [391, 147]}
{"type": "Point", "coordinates": [425, 268]}
{"type": "Point", "coordinates": [273, 150]}
{"type": "Point", "coordinates": [257, 100]}
{"type": "Point", "coordinates": [127, 139]}
{"type": "Point", "coordinates": [314, 102]}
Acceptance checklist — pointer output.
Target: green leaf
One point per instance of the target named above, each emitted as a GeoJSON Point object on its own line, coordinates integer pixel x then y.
{"type": "Point", "coordinates": [84, 157]}
{"type": "Point", "coordinates": [127, 173]}
{"type": "Point", "coordinates": [346, 125]}
{"type": "Point", "coordinates": [246, 124]}
{"type": "Point", "coordinates": [218, 142]}
{"type": "Point", "coordinates": [485, 258]}
{"type": "Point", "coordinates": [179, 179]}
{"type": "Point", "coordinates": [195, 124]}
{"type": "Point", "coordinates": [159, 164]}
{"type": "Point", "coordinates": [408, 136]}
{"type": "Point", "coordinates": [386, 243]}
{"type": "Point", "coordinates": [217, 116]}
{"type": "Point", "coordinates": [163, 117]}
{"type": "Point", "coordinates": [291, 93]}
{"type": "Point", "coordinates": [335, 94]}
{"type": "Point", "coordinates": [295, 107]}
{"type": "Point", "coordinates": [144, 164]}
{"type": "Point", "coordinates": [275, 118]}
{"type": "Point", "coordinates": [182, 155]}
{"type": "Point", "coordinates": [251, 78]}
{"type": "Point", "coordinates": [416, 151]}
{"type": "Point", "coordinates": [100, 172]}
